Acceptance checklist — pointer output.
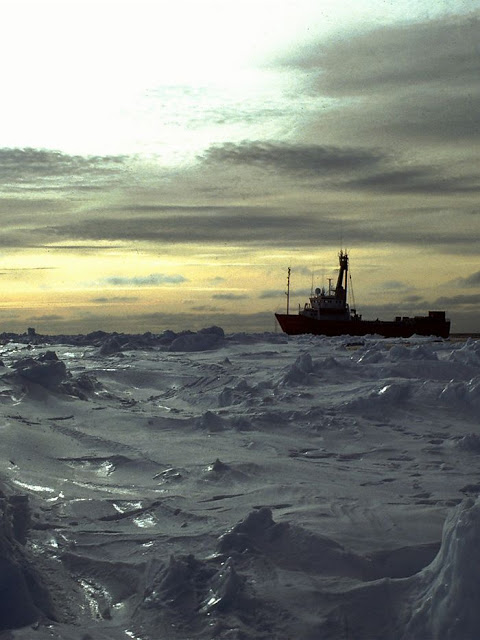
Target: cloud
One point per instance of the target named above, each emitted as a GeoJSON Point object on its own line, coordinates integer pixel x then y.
{"type": "Point", "coordinates": [303, 271]}
{"type": "Point", "coordinates": [414, 299]}
{"type": "Point", "coordinates": [151, 280]}
{"type": "Point", "coordinates": [229, 296]}
{"type": "Point", "coordinates": [54, 169]}
{"type": "Point", "coordinates": [191, 226]}
{"type": "Point", "coordinates": [270, 293]}
{"type": "Point", "coordinates": [294, 158]}
{"type": "Point", "coordinates": [46, 318]}
{"type": "Point", "coordinates": [278, 293]}
{"type": "Point", "coordinates": [114, 299]}
{"type": "Point", "coordinates": [392, 284]}
{"type": "Point", "coordinates": [273, 226]}
{"type": "Point", "coordinates": [459, 300]}
{"type": "Point", "coordinates": [398, 56]}
{"type": "Point", "coordinates": [197, 107]}
{"type": "Point", "coordinates": [28, 208]}
{"type": "Point", "coordinates": [76, 248]}
{"type": "Point", "coordinates": [472, 280]}
{"type": "Point", "coordinates": [18, 161]}
{"type": "Point", "coordinates": [340, 168]}
{"type": "Point", "coordinates": [416, 180]}
{"type": "Point", "coordinates": [414, 80]}
{"type": "Point", "coordinates": [9, 270]}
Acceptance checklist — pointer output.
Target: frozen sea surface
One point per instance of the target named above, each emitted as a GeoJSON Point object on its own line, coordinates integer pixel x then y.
{"type": "Point", "coordinates": [202, 485]}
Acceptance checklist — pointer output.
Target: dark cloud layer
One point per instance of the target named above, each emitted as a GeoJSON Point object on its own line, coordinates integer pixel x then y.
{"type": "Point", "coordinates": [472, 280]}
{"type": "Point", "coordinates": [114, 299]}
{"type": "Point", "coordinates": [413, 80]}
{"type": "Point", "coordinates": [229, 296]}
{"type": "Point", "coordinates": [295, 158]}
{"type": "Point", "coordinates": [361, 169]}
{"type": "Point", "coordinates": [55, 169]}
{"type": "Point", "coordinates": [258, 228]}
{"type": "Point", "coordinates": [420, 180]}
{"type": "Point", "coordinates": [433, 52]}
{"type": "Point", "coordinates": [459, 300]}
{"type": "Point", "coordinates": [152, 280]}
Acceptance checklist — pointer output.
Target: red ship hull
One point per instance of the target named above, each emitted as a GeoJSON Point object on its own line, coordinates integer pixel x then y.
{"type": "Point", "coordinates": [327, 313]}
{"type": "Point", "coordinates": [404, 328]}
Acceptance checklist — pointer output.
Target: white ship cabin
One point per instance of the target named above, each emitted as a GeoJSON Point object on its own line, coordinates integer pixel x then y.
{"type": "Point", "coordinates": [326, 306]}
{"type": "Point", "coordinates": [330, 304]}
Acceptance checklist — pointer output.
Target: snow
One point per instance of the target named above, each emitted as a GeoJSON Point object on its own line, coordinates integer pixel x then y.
{"type": "Point", "coordinates": [239, 486]}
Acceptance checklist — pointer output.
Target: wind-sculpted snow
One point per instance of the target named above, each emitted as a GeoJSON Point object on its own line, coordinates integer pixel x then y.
{"type": "Point", "coordinates": [446, 593]}
{"type": "Point", "coordinates": [462, 394]}
{"type": "Point", "coordinates": [439, 602]}
{"type": "Point", "coordinates": [202, 485]}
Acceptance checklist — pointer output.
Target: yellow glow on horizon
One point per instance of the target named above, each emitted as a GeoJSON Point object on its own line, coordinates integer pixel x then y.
{"type": "Point", "coordinates": [79, 290]}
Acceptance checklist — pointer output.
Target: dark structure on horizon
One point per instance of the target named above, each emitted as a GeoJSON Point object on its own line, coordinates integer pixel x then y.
{"type": "Point", "coordinates": [329, 314]}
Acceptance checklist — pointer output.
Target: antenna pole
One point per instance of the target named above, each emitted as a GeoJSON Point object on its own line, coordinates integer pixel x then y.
{"type": "Point", "coordinates": [287, 293]}
{"type": "Point", "coordinates": [351, 291]}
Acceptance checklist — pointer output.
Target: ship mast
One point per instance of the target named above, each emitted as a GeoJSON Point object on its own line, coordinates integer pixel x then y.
{"type": "Point", "coordinates": [287, 292]}
{"type": "Point", "coordinates": [341, 288]}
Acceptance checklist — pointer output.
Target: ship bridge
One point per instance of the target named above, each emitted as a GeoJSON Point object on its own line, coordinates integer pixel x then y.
{"type": "Point", "coordinates": [331, 304]}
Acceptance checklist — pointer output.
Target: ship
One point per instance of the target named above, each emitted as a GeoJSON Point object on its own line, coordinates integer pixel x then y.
{"type": "Point", "coordinates": [328, 313]}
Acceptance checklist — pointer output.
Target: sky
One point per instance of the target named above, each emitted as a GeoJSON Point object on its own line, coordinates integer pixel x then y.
{"type": "Point", "coordinates": [162, 163]}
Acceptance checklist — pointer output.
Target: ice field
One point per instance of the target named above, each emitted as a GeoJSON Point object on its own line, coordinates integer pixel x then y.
{"type": "Point", "coordinates": [243, 486]}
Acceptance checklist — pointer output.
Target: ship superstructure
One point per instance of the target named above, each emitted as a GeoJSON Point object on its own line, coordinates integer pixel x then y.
{"type": "Point", "coordinates": [331, 303]}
